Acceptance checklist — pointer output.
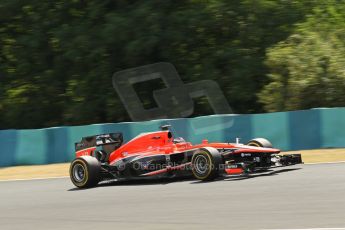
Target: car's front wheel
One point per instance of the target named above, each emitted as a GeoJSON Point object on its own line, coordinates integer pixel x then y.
{"type": "Point", "coordinates": [206, 163]}
{"type": "Point", "coordinates": [260, 142]}
{"type": "Point", "coordinates": [85, 172]}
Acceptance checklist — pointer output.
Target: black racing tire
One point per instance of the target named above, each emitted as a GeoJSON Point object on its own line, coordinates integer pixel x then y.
{"type": "Point", "coordinates": [260, 142]}
{"type": "Point", "coordinates": [85, 172]}
{"type": "Point", "coordinates": [206, 164]}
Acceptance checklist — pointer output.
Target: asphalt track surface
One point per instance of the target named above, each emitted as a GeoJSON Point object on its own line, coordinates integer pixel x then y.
{"type": "Point", "coordinates": [297, 197]}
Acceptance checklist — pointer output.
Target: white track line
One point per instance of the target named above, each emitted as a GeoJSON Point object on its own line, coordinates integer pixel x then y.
{"type": "Point", "coordinates": [39, 178]}
{"type": "Point", "coordinates": [319, 163]}
{"type": "Point", "coordinates": [305, 229]}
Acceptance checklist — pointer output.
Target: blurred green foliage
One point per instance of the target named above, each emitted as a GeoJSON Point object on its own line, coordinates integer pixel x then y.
{"type": "Point", "coordinates": [308, 68]}
{"type": "Point", "coordinates": [57, 57]}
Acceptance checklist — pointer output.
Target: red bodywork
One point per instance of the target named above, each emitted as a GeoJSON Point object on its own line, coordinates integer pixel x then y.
{"type": "Point", "coordinates": [162, 142]}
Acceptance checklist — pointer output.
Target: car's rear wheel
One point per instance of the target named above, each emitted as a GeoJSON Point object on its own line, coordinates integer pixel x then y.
{"type": "Point", "coordinates": [260, 142]}
{"type": "Point", "coordinates": [206, 163]}
{"type": "Point", "coordinates": [85, 172]}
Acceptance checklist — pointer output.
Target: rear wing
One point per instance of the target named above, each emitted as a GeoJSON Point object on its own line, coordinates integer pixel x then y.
{"type": "Point", "coordinates": [114, 139]}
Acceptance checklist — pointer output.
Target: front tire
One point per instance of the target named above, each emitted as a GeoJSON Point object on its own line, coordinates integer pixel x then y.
{"type": "Point", "coordinates": [206, 164]}
{"type": "Point", "coordinates": [85, 172]}
{"type": "Point", "coordinates": [260, 142]}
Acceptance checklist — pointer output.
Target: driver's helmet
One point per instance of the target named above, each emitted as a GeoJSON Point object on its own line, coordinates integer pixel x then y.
{"type": "Point", "coordinates": [179, 140]}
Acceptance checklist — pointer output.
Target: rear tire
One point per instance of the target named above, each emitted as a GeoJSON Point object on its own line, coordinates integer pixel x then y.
{"type": "Point", "coordinates": [85, 172]}
{"type": "Point", "coordinates": [206, 164]}
{"type": "Point", "coordinates": [260, 142]}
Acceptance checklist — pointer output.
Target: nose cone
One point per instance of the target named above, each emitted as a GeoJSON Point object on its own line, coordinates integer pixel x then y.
{"type": "Point", "coordinates": [254, 149]}
{"type": "Point", "coordinates": [262, 149]}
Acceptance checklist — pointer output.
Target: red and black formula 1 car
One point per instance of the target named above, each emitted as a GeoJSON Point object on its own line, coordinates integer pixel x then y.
{"type": "Point", "coordinates": [160, 154]}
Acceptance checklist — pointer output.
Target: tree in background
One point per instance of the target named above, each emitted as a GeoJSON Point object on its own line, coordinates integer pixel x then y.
{"type": "Point", "coordinates": [308, 68]}
{"type": "Point", "coordinates": [57, 57]}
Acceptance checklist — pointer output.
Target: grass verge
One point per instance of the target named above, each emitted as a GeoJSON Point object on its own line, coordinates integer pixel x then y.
{"type": "Point", "coordinates": [321, 155]}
